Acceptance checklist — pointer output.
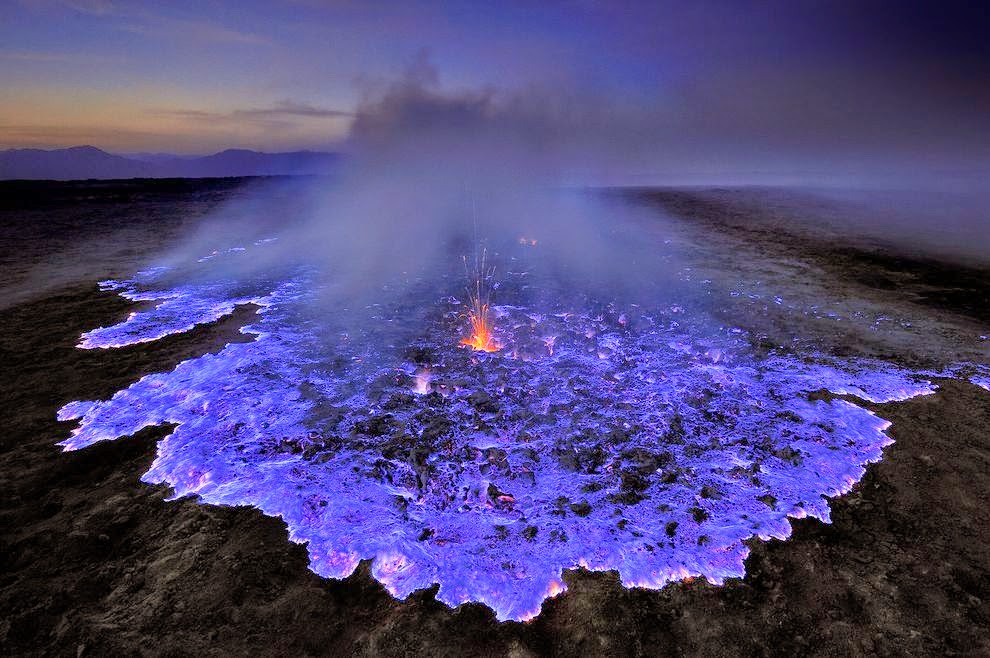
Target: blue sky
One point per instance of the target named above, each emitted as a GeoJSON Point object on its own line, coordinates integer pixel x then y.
{"type": "Point", "coordinates": [774, 80]}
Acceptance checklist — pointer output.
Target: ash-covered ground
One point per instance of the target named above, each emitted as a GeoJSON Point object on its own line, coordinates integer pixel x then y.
{"type": "Point", "coordinates": [818, 329]}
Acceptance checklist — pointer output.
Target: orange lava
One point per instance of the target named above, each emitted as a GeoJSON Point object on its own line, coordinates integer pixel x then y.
{"type": "Point", "coordinates": [481, 338]}
{"type": "Point", "coordinates": [479, 293]}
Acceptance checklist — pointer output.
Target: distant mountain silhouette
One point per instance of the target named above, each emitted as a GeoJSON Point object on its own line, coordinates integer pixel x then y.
{"type": "Point", "coordinates": [81, 162]}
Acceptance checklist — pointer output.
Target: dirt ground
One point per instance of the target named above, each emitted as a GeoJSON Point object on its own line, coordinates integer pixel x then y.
{"type": "Point", "coordinates": [94, 562]}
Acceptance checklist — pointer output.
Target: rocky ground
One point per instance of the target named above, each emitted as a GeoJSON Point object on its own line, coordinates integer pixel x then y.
{"type": "Point", "coordinates": [96, 563]}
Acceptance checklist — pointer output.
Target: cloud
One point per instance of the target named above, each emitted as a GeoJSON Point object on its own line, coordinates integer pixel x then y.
{"type": "Point", "coordinates": [136, 19]}
{"type": "Point", "coordinates": [26, 135]}
{"type": "Point", "coordinates": [94, 7]}
{"type": "Point", "coordinates": [90, 7]}
{"type": "Point", "coordinates": [179, 28]}
{"type": "Point", "coordinates": [290, 108]}
{"type": "Point", "coordinates": [280, 112]}
{"type": "Point", "coordinates": [44, 57]}
{"type": "Point", "coordinates": [286, 125]}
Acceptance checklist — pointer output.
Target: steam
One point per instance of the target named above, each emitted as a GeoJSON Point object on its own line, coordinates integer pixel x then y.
{"type": "Point", "coordinates": [432, 177]}
{"type": "Point", "coordinates": [339, 447]}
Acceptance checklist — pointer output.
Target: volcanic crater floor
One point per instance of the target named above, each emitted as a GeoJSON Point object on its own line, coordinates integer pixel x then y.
{"type": "Point", "coordinates": [97, 562]}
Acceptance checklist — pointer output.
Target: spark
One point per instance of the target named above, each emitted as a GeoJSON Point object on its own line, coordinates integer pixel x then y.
{"type": "Point", "coordinates": [479, 292]}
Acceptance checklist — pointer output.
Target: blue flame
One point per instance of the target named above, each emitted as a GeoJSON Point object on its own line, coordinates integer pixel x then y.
{"type": "Point", "coordinates": [655, 451]}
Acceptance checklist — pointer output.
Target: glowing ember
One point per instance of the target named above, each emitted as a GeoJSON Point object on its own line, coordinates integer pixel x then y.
{"type": "Point", "coordinates": [479, 314]}
{"type": "Point", "coordinates": [481, 338]}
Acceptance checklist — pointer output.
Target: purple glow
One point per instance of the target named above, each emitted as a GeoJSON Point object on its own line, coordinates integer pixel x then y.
{"type": "Point", "coordinates": [603, 440]}
{"type": "Point", "coordinates": [173, 313]}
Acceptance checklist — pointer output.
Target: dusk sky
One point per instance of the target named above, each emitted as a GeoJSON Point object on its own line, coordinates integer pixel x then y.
{"type": "Point", "coordinates": [707, 84]}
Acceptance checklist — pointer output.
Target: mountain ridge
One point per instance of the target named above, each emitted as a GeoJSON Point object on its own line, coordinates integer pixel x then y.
{"type": "Point", "coordinates": [89, 162]}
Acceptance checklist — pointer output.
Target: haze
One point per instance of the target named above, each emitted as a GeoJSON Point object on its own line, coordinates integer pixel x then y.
{"type": "Point", "coordinates": [673, 92]}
